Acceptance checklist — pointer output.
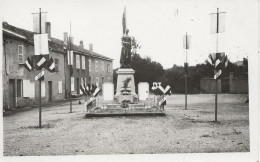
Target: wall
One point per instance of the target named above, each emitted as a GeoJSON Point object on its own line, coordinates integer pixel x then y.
{"type": "Point", "coordinates": [239, 85]}
{"type": "Point", "coordinates": [102, 71]}
{"type": "Point", "coordinates": [207, 85]}
{"type": "Point", "coordinates": [16, 71]}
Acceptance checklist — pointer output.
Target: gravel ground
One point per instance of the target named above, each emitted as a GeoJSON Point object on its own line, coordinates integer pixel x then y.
{"type": "Point", "coordinates": [180, 131]}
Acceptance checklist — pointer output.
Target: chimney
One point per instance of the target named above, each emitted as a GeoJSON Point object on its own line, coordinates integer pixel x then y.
{"type": "Point", "coordinates": [91, 48]}
{"type": "Point", "coordinates": [81, 44]}
{"type": "Point", "coordinates": [65, 40]}
{"type": "Point", "coordinates": [48, 29]}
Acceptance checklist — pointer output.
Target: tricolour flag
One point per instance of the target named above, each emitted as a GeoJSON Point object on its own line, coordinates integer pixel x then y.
{"type": "Point", "coordinates": [83, 89]}
{"type": "Point", "coordinates": [36, 25]}
{"type": "Point", "coordinates": [41, 46]}
{"type": "Point", "coordinates": [41, 61]}
{"type": "Point", "coordinates": [28, 64]}
{"type": "Point", "coordinates": [186, 42]}
{"type": "Point", "coordinates": [216, 76]}
{"type": "Point", "coordinates": [210, 60]}
{"type": "Point", "coordinates": [70, 57]}
{"type": "Point", "coordinates": [164, 91]}
{"type": "Point", "coordinates": [162, 101]}
{"type": "Point", "coordinates": [40, 76]}
{"type": "Point", "coordinates": [124, 21]}
{"type": "Point", "coordinates": [217, 22]}
{"type": "Point", "coordinates": [97, 90]}
{"type": "Point", "coordinates": [51, 66]}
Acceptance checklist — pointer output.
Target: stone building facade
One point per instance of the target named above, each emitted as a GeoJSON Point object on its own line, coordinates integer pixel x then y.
{"type": "Point", "coordinates": [19, 86]}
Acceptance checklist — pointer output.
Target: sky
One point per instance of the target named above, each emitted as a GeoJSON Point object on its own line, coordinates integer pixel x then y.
{"type": "Point", "coordinates": [158, 26]}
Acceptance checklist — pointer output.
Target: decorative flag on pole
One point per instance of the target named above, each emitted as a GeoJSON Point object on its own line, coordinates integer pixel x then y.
{"type": "Point", "coordinates": [164, 91]}
{"type": "Point", "coordinates": [124, 21]}
{"type": "Point", "coordinates": [186, 41]}
{"type": "Point", "coordinates": [83, 89]}
{"type": "Point", "coordinates": [41, 44]}
{"type": "Point", "coordinates": [217, 18]}
{"type": "Point", "coordinates": [216, 76]}
{"type": "Point", "coordinates": [41, 61]}
{"type": "Point", "coordinates": [51, 66]}
{"type": "Point", "coordinates": [219, 61]}
{"type": "Point", "coordinates": [97, 90]}
{"type": "Point", "coordinates": [70, 57]}
{"type": "Point", "coordinates": [36, 25]}
{"type": "Point", "coordinates": [162, 100]}
{"type": "Point", "coordinates": [28, 64]}
{"type": "Point", "coordinates": [40, 76]}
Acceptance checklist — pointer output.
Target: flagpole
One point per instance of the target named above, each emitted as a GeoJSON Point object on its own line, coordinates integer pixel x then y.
{"type": "Point", "coordinates": [40, 85]}
{"type": "Point", "coordinates": [70, 68]}
{"type": "Point", "coordinates": [216, 88]}
{"type": "Point", "coordinates": [186, 68]}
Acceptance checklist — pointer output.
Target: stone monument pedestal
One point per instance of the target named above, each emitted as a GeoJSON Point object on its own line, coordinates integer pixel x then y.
{"type": "Point", "coordinates": [122, 75]}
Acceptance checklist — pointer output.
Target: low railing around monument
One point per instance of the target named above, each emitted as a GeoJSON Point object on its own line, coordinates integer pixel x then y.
{"type": "Point", "coordinates": [99, 104]}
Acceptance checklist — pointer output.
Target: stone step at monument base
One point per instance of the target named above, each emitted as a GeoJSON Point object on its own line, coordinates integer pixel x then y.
{"type": "Point", "coordinates": [99, 112]}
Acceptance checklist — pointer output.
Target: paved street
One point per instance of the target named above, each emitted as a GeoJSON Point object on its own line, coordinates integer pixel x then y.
{"type": "Point", "coordinates": [180, 131]}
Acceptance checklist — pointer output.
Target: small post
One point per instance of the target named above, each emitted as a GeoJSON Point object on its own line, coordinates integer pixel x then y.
{"type": "Point", "coordinates": [216, 101]}
{"type": "Point", "coordinates": [40, 103]}
{"type": "Point", "coordinates": [40, 85]}
{"type": "Point", "coordinates": [70, 68]}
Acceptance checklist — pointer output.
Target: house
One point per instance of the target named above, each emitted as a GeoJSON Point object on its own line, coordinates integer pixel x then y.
{"type": "Point", "coordinates": [19, 86]}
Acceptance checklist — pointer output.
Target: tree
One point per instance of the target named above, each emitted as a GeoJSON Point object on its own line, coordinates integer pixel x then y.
{"type": "Point", "coordinates": [146, 70]}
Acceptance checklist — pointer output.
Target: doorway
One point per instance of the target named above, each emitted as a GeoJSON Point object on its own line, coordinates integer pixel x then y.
{"type": "Point", "coordinates": [11, 89]}
{"type": "Point", "coordinates": [50, 90]}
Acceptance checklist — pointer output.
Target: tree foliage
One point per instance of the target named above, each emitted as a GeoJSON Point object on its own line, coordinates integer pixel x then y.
{"type": "Point", "coordinates": [146, 70]}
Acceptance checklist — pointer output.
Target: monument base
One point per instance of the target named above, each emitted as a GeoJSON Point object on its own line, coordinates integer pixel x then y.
{"type": "Point", "coordinates": [122, 75]}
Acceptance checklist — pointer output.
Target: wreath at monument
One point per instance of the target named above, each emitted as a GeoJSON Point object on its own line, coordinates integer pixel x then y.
{"type": "Point", "coordinates": [125, 91]}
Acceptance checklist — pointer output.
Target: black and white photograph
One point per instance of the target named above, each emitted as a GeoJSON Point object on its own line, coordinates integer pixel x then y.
{"type": "Point", "coordinates": [130, 80]}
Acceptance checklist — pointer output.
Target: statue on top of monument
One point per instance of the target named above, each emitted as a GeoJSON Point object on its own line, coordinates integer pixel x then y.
{"type": "Point", "coordinates": [126, 55]}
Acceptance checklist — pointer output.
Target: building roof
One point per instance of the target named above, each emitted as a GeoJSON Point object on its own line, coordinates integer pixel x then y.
{"type": "Point", "coordinates": [54, 43]}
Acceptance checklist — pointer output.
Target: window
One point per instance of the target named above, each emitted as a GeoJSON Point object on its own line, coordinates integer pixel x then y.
{"type": "Point", "coordinates": [102, 81]}
{"type": "Point", "coordinates": [108, 68]}
{"type": "Point", "coordinates": [89, 65]}
{"type": "Point", "coordinates": [56, 62]}
{"type": "Point", "coordinates": [96, 65]}
{"type": "Point", "coordinates": [83, 62]}
{"type": "Point", "coordinates": [60, 87]}
{"type": "Point", "coordinates": [72, 84]}
{"type": "Point", "coordinates": [20, 54]}
{"type": "Point", "coordinates": [19, 88]}
{"type": "Point", "coordinates": [103, 66]}
{"type": "Point", "coordinates": [77, 61]}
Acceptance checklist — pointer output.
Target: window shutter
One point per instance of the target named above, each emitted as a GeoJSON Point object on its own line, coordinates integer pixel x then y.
{"type": "Point", "coordinates": [60, 87]}
{"type": "Point", "coordinates": [27, 87]}
{"type": "Point", "coordinates": [72, 83]}
{"type": "Point", "coordinates": [83, 62]}
{"type": "Point", "coordinates": [43, 89]}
